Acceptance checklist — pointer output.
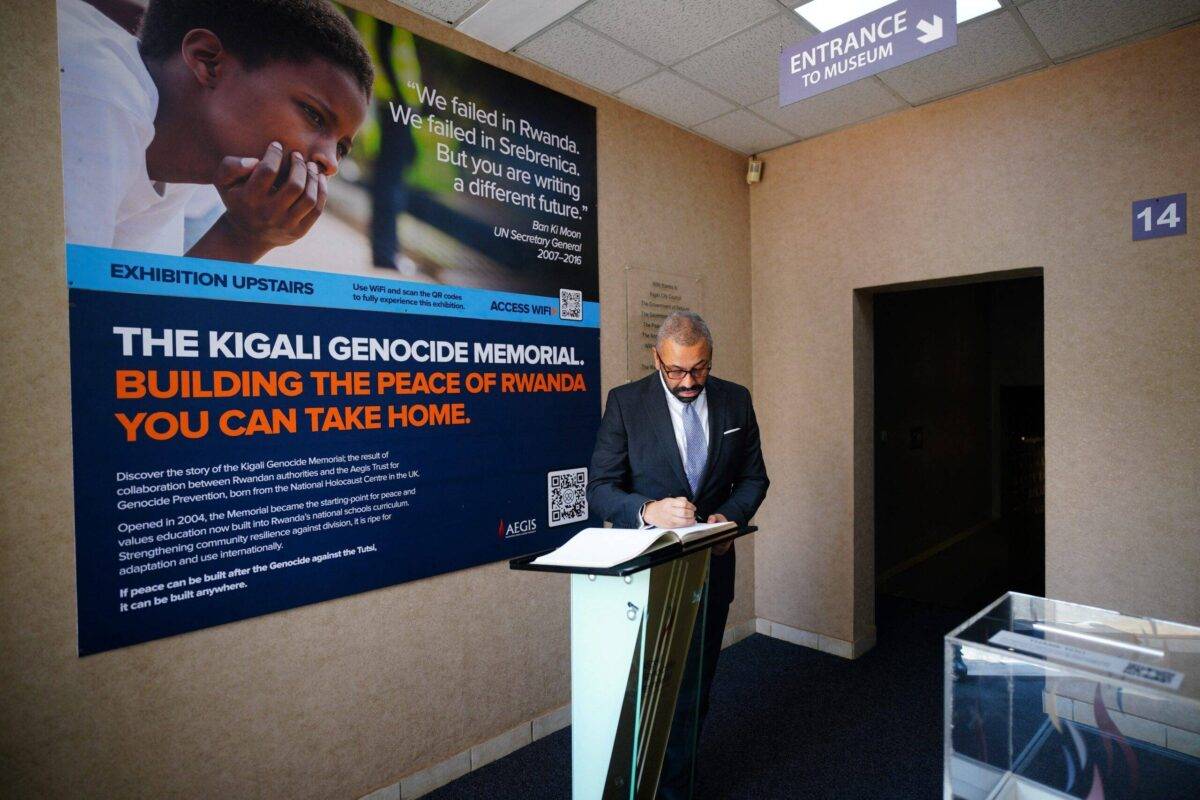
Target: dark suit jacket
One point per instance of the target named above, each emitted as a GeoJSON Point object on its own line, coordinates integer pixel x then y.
{"type": "Point", "coordinates": [636, 459]}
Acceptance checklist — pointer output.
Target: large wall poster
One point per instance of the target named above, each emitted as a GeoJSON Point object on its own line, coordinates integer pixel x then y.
{"type": "Point", "coordinates": [321, 341]}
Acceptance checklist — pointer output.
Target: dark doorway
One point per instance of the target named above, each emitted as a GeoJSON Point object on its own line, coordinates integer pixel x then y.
{"type": "Point", "coordinates": [959, 440]}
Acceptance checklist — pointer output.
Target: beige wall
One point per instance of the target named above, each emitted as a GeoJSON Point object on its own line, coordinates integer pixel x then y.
{"type": "Point", "coordinates": [338, 698]}
{"type": "Point", "coordinates": [1037, 172]}
{"type": "Point", "coordinates": [334, 699]}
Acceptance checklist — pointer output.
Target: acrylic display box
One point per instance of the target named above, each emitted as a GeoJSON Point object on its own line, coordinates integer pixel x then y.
{"type": "Point", "coordinates": [1046, 699]}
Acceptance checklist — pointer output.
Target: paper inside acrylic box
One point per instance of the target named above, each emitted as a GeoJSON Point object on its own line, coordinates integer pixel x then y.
{"type": "Point", "coordinates": [607, 547]}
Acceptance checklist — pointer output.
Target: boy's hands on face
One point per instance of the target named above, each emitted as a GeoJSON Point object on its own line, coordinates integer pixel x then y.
{"type": "Point", "coordinates": [269, 202]}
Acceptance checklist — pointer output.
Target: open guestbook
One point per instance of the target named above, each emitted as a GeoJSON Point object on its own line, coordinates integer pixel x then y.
{"type": "Point", "coordinates": [606, 547]}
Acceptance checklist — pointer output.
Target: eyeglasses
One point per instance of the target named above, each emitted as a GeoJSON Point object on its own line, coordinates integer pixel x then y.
{"type": "Point", "coordinates": [676, 374]}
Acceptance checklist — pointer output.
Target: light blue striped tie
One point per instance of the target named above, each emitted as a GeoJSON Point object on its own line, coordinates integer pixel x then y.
{"type": "Point", "coordinates": [697, 448]}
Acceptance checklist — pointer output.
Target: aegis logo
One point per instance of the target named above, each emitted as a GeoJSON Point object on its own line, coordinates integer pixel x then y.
{"type": "Point", "coordinates": [519, 528]}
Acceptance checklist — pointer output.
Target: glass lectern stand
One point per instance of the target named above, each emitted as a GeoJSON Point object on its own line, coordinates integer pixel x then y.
{"type": "Point", "coordinates": [632, 648]}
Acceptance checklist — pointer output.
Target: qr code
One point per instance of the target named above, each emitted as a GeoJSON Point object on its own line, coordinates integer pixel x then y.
{"type": "Point", "coordinates": [566, 492]}
{"type": "Point", "coordinates": [570, 304]}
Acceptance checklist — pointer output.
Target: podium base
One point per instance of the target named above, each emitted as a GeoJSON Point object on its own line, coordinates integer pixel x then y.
{"type": "Point", "coordinates": [630, 638]}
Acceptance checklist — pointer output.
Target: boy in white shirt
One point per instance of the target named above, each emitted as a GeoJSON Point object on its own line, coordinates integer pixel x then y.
{"type": "Point", "coordinates": [259, 98]}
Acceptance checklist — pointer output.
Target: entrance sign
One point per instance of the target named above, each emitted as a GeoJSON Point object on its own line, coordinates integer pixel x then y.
{"type": "Point", "coordinates": [893, 35]}
{"type": "Point", "coordinates": [1160, 216]}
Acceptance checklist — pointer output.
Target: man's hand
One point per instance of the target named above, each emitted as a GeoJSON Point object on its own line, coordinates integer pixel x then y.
{"type": "Point", "coordinates": [670, 512]}
{"type": "Point", "coordinates": [269, 202]}
{"type": "Point", "coordinates": [720, 549]}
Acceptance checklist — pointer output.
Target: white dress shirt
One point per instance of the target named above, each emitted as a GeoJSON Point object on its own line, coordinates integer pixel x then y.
{"type": "Point", "coordinates": [676, 406]}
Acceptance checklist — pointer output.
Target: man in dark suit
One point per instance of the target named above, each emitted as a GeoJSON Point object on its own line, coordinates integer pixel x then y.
{"type": "Point", "coordinates": [673, 448]}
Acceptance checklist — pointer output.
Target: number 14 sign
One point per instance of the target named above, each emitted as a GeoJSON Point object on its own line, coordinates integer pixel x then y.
{"type": "Point", "coordinates": [1160, 216]}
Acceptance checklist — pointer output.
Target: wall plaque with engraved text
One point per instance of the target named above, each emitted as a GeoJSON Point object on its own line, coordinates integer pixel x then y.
{"type": "Point", "coordinates": [650, 296]}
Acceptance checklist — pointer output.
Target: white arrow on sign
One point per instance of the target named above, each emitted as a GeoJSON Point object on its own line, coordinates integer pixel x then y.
{"type": "Point", "coordinates": [931, 32]}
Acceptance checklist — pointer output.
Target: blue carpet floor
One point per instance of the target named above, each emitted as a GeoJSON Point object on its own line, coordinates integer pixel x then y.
{"type": "Point", "coordinates": [791, 723]}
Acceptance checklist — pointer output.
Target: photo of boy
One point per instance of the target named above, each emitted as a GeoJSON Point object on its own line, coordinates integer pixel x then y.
{"type": "Point", "coordinates": [258, 99]}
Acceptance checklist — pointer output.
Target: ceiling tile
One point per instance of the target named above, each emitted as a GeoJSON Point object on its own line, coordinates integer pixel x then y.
{"type": "Point", "coordinates": [744, 132]}
{"type": "Point", "coordinates": [827, 111]}
{"type": "Point", "coordinates": [745, 67]}
{"type": "Point", "coordinates": [587, 57]}
{"type": "Point", "coordinates": [671, 30]}
{"type": "Point", "coordinates": [448, 10]}
{"type": "Point", "coordinates": [988, 49]}
{"type": "Point", "coordinates": [504, 24]}
{"type": "Point", "coordinates": [675, 98]}
{"type": "Point", "coordinates": [1071, 27]}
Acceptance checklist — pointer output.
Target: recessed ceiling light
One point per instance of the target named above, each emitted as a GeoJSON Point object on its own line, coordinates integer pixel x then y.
{"type": "Point", "coordinates": [970, 9]}
{"type": "Point", "coordinates": [826, 14]}
{"type": "Point", "coordinates": [504, 24]}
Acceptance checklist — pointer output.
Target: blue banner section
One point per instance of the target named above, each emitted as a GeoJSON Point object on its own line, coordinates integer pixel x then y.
{"type": "Point", "coordinates": [108, 270]}
{"type": "Point", "coordinates": [234, 458]}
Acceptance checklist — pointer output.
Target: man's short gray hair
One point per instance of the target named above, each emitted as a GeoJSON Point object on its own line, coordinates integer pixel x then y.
{"type": "Point", "coordinates": [686, 328]}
